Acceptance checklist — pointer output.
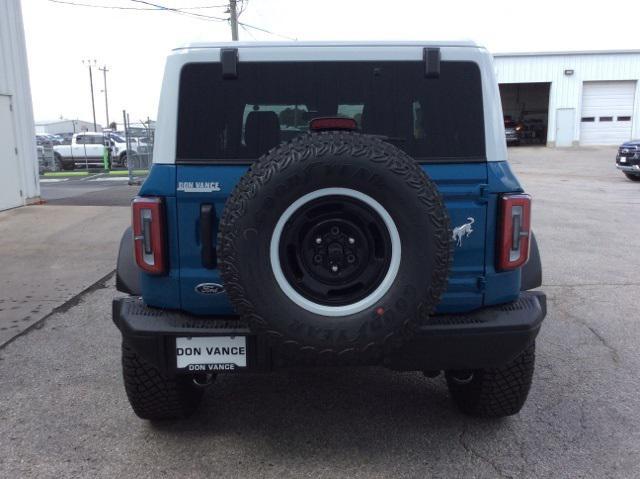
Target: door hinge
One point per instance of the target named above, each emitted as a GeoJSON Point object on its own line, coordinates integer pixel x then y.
{"type": "Point", "coordinates": [10, 106]}
{"type": "Point", "coordinates": [481, 283]}
{"type": "Point", "coordinates": [16, 150]}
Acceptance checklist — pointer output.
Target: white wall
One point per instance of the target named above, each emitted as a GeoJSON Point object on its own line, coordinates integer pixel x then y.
{"type": "Point", "coordinates": [65, 126]}
{"type": "Point", "coordinates": [566, 91]}
{"type": "Point", "coordinates": [14, 81]}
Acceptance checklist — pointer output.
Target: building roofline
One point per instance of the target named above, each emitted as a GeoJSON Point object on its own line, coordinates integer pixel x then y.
{"type": "Point", "coordinates": [53, 122]}
{"type": "Point", "coordinates": [566, 53]}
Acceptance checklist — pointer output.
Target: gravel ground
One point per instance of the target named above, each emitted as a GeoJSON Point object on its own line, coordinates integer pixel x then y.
{"type": "Point", "coordinates": [63, 412]}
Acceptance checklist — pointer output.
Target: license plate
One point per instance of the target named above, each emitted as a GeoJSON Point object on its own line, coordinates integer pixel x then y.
{"type": "Point", "coordinates": [220, 353]}
{"type": "Point", "coordinates": [623, 159]}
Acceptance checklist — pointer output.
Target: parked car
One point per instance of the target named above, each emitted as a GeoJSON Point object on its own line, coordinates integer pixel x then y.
{"type": "Point", "coordinates": [628, 159]}
{"type": "Point", "coordinates": [77, 155]}
{"type": "Point", "coordinates": [85, 151]}
{"type": "Point", "coordinates": [139, 154]}
{"type": "Point", "coordinates": [397, 242]}
{"type": "Point", "coordinates": [512, 131]}
{"type": "Point", "coordinates": [66, 138]}
{"type": "Point", "coordinates": [48, 140]}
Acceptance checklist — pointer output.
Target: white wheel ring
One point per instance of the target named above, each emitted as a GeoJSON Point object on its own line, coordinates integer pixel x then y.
{"type": "Point", "coordinates": [345, 310]}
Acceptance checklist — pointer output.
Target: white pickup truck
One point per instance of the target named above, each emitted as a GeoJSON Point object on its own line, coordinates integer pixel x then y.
{"type": "Point", "coordinates": [86, 150]}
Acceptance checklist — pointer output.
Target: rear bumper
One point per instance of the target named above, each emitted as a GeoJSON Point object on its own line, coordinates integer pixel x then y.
{"type": "Point", "coordinates": [488, 337]}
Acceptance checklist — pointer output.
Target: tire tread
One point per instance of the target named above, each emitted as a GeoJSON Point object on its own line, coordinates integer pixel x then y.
{"type": "Point", "coordinates": [303, 149]}
{"type": "Point", "coordinates": [153, 395]}
{"type": "Point", "coordinates": [496, 392]}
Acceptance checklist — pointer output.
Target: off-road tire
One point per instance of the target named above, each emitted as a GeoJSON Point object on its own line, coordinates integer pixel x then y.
{"type": "Point", "coordinates": [495, 392]}
{"type": "Point", "coordinates": [632, 177]}
{"type": "Point", "coordinates": [153, 395]}
{"type": "Point", "coordinates": [309, 163]}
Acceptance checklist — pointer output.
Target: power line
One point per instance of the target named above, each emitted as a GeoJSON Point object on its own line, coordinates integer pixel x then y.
{"type": "Point", "coordinates": [116, 7]}
{"type": "Point", "coordinates": [264, 30]}
{"type": "Point", "coordinates": [248, 31]}
{"type": "Point", "coordinates": [181, 12]}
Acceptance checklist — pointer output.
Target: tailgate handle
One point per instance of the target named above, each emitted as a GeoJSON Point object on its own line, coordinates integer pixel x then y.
{"type": "Point", "coordinates": [207, 222]}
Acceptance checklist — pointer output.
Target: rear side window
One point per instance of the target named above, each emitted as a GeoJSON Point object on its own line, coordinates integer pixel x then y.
{"type": "Point", "coordinates": [89, 140]}
{"type": "Point", "coordinates": [238, 120]}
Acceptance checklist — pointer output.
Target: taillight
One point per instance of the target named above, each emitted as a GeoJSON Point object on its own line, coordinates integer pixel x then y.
{"type": "Point", "coordinates": [149, 234]}
{"type": "Point", "coordinates": [515, 231]}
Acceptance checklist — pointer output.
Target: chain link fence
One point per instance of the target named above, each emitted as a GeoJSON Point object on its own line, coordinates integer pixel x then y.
{"type": "Point", "coordinates": [139, 137]}
{"type": "Point", "coordinates": [126, 149]}
{"type": "Point", "coordinates": [46, 160]}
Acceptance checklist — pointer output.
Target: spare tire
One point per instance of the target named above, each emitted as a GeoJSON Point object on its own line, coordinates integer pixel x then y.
{"type": "Point", "coordinates": [336, 245]}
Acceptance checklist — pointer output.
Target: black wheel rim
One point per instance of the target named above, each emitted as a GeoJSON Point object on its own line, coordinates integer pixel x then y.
{"type": "Point", "coordinates": [335, 250]}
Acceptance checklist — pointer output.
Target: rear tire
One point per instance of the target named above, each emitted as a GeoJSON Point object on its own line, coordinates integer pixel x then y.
{"type": "Point", "coordinates": [61, 164]}
{"type": "Point", "coordinates": [632, 177]}
{"type": "Point", "coordinates": [152, 394]}
{"type": "Point", "coordinates": [495, 392]}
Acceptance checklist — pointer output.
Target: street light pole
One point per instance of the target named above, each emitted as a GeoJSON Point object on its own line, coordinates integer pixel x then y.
{"type": "Point", "coordinates": [106, 98]}
{"type": "Point", "coordinates": [93, 104]}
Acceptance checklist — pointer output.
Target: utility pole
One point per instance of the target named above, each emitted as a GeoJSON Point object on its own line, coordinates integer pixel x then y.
{"type": "Point", "coordinates": [106, 98]}
{"type": "Point", "coordinates": [93, 104]}
{"type": "Point", "coordinates": [233, 18]}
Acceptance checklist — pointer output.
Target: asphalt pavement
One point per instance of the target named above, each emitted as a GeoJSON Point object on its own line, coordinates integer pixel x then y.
{"type": "Point", "coordinates": [63, 411]}
{"type": "Point", "coordinates": [95, 190]}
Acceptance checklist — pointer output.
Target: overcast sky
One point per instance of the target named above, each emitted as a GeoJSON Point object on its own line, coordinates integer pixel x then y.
{"type": "Point", "coordinates": [133, 44]}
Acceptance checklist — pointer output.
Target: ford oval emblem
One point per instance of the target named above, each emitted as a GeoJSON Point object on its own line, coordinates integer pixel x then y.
{"type": "Point", "coordinates": [209, 288]}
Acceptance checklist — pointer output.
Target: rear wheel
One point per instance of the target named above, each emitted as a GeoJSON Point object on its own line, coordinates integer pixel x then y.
{"type": "Point", "coordinates": [152, 394]}
{"type": "Point", "coordinates": [494, 392]}
{"type": "Point", "coordinates": [63, 165]}
{"type": "Point", "coordinates": [632, 177]}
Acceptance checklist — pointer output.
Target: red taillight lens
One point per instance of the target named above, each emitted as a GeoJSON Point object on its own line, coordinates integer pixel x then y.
{"type": "Point", "coordinates": [149, 234]}
{"type": "Point", "coordinates": [332, 123]}
{"type": "Point", "coordinates": [515, 231]}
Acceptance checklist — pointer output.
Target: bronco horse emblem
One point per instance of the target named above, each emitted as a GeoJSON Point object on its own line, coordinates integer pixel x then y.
{"type": "Point", "coordinates": [461, 231]}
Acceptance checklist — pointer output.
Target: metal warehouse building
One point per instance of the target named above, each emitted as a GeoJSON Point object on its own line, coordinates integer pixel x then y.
{"type": "Point", "coordinates": [64, 126]}
{"type": "Point", "coordinates": [18, 161]}
{"type": "Point", "coordinates": [574, 98]}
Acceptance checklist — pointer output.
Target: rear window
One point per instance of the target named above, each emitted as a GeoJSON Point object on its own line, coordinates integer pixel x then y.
{"type": "Point", "coordinates": [240, 119]}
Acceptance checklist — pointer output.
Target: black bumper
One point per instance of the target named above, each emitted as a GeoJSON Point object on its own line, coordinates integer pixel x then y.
{"type": "Point", "coordinates": [488, 337]}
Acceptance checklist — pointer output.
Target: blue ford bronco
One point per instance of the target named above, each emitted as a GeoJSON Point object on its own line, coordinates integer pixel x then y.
{"type": "Point", "coordinates": [329, 204]}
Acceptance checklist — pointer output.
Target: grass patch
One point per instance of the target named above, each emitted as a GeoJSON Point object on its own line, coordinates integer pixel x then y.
{"type": "Point", "coordinates": [65, 173]}
{"type": "Point", "coordinates": [126, 172]}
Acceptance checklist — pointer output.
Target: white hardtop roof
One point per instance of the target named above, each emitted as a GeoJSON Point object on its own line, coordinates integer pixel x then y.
{"type": "Point", "coordinates": [344, 44]}
{"type": "Point", "coordinates": [566, 53]}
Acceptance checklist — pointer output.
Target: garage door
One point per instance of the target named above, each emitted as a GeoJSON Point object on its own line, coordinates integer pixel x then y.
{"type": "Point", "coordinates": [607, 112]}
{"type": "Point", "coordinates": [9, 189]}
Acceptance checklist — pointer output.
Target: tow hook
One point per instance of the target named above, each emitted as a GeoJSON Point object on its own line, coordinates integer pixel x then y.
{"type": "Point", "coordinates": [462, 377]}
{"type": "Point", "coordinates": [204, 380]}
